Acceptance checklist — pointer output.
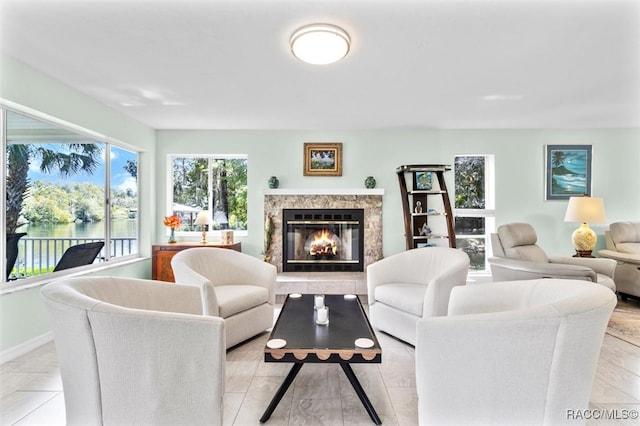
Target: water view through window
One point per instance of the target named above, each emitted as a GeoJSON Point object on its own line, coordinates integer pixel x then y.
{"type": "Point", "coordinates": [56, 184]}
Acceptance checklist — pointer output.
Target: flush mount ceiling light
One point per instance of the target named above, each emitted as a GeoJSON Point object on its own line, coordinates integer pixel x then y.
{"type": "Point", "coordinates": [320, 44]}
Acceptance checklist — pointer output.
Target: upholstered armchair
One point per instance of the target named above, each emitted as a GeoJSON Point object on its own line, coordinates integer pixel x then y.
{"type": "Point", "coordinates": [135, 351]}
{"type": "Point", "coordinates": [411, 285]}
{"type": "Point", "coordinates": [518, 257]}
{"type": "Point", "coordinates": [623, 246]}
{"type": "Point", "coordinates": [512, 353]}
{"type": "Point", "coordinates": [233, 285]}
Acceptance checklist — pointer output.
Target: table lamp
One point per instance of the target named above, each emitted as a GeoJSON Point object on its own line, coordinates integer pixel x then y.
{"type": "Point", "coordinates": [203, 219]}
{"type": "Point", "coordinates": [584, 209]}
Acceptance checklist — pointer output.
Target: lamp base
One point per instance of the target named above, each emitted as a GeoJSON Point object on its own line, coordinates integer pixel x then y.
{"type": "Point", "coordinates": [204, 237]}
{"type": "Point", "coordinates": [584, 239]}
{"type": "Point", "coordinates": [583, 253]}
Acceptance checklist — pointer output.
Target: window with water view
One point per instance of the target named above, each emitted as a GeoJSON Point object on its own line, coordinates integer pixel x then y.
{"type": "Point", "coordinates": [56, 196]}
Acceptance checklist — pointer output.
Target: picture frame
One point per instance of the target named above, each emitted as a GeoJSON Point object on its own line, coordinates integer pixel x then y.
{"type": "Point", "coordinates": [423, 181]}
{"type": "Point", "coordinates": [322, 159]}
{"type": "Point", "coordinates": [568, 171]}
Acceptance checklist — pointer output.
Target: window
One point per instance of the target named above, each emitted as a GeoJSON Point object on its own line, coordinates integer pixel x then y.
{"type": "Point", "coordinates": [216, 183]}
{"type": "Point", "coordinates": [474, 207]}
{"type": "Point", "coordinates": [56, 185]}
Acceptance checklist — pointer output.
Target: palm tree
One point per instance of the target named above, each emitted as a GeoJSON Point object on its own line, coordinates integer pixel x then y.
{"type": "Point", "coordinates": [558, 158]}
{"type": "Point", "coordinates": [70, 159]}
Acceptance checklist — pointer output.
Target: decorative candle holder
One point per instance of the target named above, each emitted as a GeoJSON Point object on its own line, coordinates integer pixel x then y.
{"type": "Point", "coordinates": [322, 317]}
{"type": "Point", "coordinates": [318, 301]}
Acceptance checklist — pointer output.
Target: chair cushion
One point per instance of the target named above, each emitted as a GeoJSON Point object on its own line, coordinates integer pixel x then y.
{"type": "Point", "coordinates": [626, 236]}
{"type": "Point", "coordinates": [233, 299]}
{"type": "Point", "coordinates": [519, 242]}
{"type": "Point", "coordinates": [404, 297]}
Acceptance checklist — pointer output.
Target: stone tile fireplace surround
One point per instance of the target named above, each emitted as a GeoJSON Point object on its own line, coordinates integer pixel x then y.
{"type": "Point", "coordinates": [325, 282]}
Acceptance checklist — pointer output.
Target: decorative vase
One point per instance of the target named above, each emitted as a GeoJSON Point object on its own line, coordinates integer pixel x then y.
{"type": "Point", "coordinates": [370, 182]}
{"type": "Point", "coordinates": [172, 236]}
{"type": "Point", "coordinates": [273, 182]}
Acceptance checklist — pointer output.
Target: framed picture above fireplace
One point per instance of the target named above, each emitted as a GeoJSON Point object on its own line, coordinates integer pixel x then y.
{"type": "Point", "coordinates": [322, 159]}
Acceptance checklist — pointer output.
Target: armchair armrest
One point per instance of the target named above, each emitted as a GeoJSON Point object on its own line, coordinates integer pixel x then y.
{"type": "Point", "coordinates": [601, 266]}
{"type": "Point", "coordinates": [546, 270]}
{"type": "Point", "coordinates": [632, 259]}
{"type": "Point", "coordinates": [184, 275]}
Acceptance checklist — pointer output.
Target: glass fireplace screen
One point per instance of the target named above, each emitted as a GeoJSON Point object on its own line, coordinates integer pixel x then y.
{"type": "Point", "coordinates": [323, 239]}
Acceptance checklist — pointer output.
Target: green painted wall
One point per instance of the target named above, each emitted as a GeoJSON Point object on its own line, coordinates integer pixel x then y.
{"type": "Point", "coordinates": [22, 315]}
{"type": "Point", "coordinates": [519, 157]}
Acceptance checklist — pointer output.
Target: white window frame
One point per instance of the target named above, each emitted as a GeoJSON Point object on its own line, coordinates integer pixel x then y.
{"type": "Point", "coordinates": [216, 234]}
{"type": "Point", "coordinates": [488, 213]}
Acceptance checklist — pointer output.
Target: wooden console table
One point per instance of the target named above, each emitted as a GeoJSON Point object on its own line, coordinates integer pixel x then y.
{"type": "Point", "coordinates": [161, 255]}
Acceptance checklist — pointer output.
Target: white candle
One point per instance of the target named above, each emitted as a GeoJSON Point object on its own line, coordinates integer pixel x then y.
{"type": "Point", "coordinates": [319, 301]}
{"type": "Point", "coordinates": [323, 315]}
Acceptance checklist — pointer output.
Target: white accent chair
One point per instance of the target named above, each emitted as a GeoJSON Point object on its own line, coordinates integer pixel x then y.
{"type": "Point", "coordinates": [623, 246]}
{"type": "Point", "coordinates": [136, 351]}
{"type": "Point", "coordinates": [411, 285]}
{"type": "Point", "coordinates": [518, 257]}
{"type": "Point", "coordinates": [512, 353]}
{"type": "Point", "coordinates": [234, 286]}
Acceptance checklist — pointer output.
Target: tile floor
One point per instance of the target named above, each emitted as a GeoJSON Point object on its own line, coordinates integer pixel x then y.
{"type": "Point", "coordinates": [31, 389]}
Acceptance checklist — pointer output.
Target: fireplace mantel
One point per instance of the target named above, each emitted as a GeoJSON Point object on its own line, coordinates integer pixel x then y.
{"type": "Point", "coordinates": [275, 200]}
{"type": "Point", "coordinates": [330, 191]}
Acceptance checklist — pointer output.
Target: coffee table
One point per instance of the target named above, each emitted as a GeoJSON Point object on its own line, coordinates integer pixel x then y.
{"type": "Point", "coordinates": [307, 341]}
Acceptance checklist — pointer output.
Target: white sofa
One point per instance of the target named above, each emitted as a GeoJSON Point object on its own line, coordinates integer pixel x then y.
{"type": "Point", "coordinates": [411, 285]}
{"type": "Point", "coordinates": [136, 352]}
{"type": "Point", "coordinates": [623, 246]}
{"type": "Point", "coordinates": [513, 352]}
{"type": "Point", "coordinates": [233, 285]}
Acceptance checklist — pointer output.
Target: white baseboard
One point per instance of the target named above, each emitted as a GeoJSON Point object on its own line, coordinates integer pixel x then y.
{"type": "Point", "coordinates": [23, 348]}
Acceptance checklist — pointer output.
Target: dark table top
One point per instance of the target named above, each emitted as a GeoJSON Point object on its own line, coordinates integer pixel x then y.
{"type": "Point", "coordinates": [329, 343]}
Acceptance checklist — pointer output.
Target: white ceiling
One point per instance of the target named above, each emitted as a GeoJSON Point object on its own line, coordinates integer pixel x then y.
{"type": "Point", "coordinates": [443, 64]}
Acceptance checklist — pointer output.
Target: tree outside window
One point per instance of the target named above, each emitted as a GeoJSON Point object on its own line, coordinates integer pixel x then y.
{"type": "Point", "coordinates": [217, 183]}
{"type": "Point", "coordinates": [474, 218]}
{"type": "Point", "coordinates": [55, 195]}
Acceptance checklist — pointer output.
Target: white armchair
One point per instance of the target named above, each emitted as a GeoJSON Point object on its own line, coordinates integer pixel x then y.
{"type": "Point", "coordinates": [518, 257]}
{"type": "Point", "coordinates": [512, 353]}
{"type": "Point", "coordinates": [135, 352]}
{"type": "Point", "coordinates": [233, 285]}
{"type": "Point", "coordinates": [411, 285]}
{"type": "Point", "coordinates": [623, 246]}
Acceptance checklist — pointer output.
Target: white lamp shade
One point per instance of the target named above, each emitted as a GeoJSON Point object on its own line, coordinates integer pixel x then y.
{"type": "Point", "coordinates": [320, 44]}
{"type": "Point", "coordinates": [203, 218]}
{"type": "Point", "coordinates": [585, 210]}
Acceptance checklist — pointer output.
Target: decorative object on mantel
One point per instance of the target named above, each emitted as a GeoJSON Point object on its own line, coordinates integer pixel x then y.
{"type": "Point", "coordinates": [172, 222]}
{"type": "Point", "coordinates": [203, 219]}
{"type": "Point", "coordinates": [370, 182]}
{"type": "Point", "coordinates": [274, 182]}
{"type": "Point", "coordinates": [322, 159]}
{"type": "Point", "coordinates": [268, 236]}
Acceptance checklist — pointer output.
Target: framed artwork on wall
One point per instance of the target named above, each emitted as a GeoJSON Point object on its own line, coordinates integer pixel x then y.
{"type": "Point", "coordinates": [568, 171]}
{"type": "Point", "coordinates": [422, 181]}
{"type": "Point", "coordinates": [322, 159]}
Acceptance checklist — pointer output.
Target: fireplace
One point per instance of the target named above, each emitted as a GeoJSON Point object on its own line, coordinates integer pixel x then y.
{"type": "Point", "coordinates": [323, 240]}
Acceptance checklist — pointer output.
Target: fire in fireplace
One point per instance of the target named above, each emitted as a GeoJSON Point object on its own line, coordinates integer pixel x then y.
{"type": "Point", "coordinates": [323, 240]}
